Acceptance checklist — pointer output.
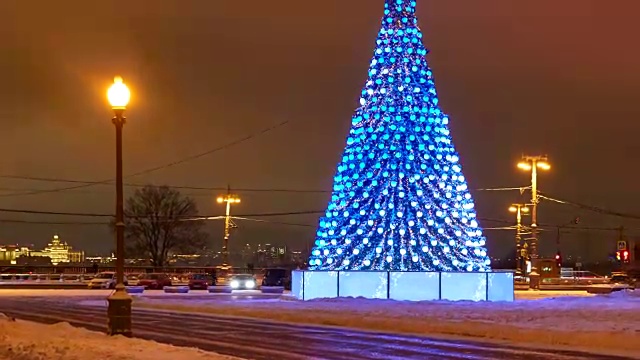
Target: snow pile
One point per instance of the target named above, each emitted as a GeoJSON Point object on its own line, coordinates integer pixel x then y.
{"type": "Point", "coordinates": [591, 322]}
{"type": "Point", "coordinates": [21, 340]}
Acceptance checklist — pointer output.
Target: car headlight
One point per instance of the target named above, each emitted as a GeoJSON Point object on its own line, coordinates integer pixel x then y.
{"type": "Point", "coordinates": [235, 284]}
{"type": "Point", "coordinates": [250, 284]}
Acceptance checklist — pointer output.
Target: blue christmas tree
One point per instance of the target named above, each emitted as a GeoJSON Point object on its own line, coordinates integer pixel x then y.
{"type": "Point", "coordinates": [400, 200]}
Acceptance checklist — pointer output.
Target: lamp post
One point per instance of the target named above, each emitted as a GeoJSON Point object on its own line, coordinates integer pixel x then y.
{"type": "Point", "coordinates": [533, 163]}
{"type": "Point", "coordinates": [519, 209]}
{"type": "Point", "coordinates": [229, 199]}
{"type": "Point", "coordinates": [119, 310]}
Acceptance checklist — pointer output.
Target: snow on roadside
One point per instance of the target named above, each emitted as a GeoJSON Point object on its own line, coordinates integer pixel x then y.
{"type": "Point", "coordinates": [609, 323]}
{"type": "Point", "coordinates": [543, 294]}
{"type": "Point", "coordinates": [23, 340]}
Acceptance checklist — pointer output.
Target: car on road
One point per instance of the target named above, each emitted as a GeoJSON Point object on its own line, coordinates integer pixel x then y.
{"type": "Point", "coordinates": [154, 281]}
{"type": "Point", "coordinates": [242, 282]}
{"type": "Point", "coordinates": [622, 279]}
{"type": "Point", "coordinates": [105, 280]}
{"type": "Point", "coordinates": [201, 281]}
{"type": "Point", "coordinates": [133, 279]}
{"type": "Point", "coordinates": [277, 277]}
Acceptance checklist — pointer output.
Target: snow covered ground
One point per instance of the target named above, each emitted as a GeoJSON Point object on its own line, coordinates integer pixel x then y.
{"type": "Point", "coordinates": [22, 340]}
{"type": "Point", "coordinates": [574, 319]}
{"type": "Point", "coordinates": [603, 323]}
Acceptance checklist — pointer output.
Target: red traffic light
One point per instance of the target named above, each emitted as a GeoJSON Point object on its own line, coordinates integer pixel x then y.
{"type": "Point", "coordinates": [559, 259]}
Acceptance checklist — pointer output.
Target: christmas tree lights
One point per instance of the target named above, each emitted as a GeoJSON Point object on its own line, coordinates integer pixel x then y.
{"type": "Point", "coordinates": [400, 200]}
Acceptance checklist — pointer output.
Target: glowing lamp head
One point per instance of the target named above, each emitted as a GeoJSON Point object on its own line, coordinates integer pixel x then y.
{"type": "Point", "coordinates": [118, 94]}
{"type": "Point", "coordinates": [525, 209]}
{"type": "Point", "coordinates": [236, 200]}
{"type": "Point", "coordinates": [524, 165]}
{"type": "Point", "coordinates": [513, 209]}
{"type": "Point", "coordinates": [220, 199]}
{"type": "Point", "coordinates": [543, 165]}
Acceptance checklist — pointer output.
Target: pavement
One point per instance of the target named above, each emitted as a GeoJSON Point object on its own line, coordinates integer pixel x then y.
{"type": "Point", "coordinates": [268, 340]}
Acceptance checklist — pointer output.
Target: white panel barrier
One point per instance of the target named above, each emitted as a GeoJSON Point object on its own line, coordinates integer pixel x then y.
{"type": "Point", "coordinates": [500, 286]}
{"type": "Point", "coordinates": [368, 284]}
{"type": "Point", "coordinates": [401, 285]}
{"type": "Point", "coordinates": [297, 280]}
{"type": "Point", "coordinates": [414, 286]}
{"type": "Point", "coordinates": [325, 284]}
{"type": "Point", "coordinates": [463, 286]}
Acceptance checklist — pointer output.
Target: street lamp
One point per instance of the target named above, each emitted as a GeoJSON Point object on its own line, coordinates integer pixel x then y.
{"type": "Point", "coordinates": [533, 163]}
{"type": "Point", "coordinates": [119, 311]}
{"type": "Point", "coordinates": [519, 209]}
{"type": "Point", "coordinates": [229, 199]}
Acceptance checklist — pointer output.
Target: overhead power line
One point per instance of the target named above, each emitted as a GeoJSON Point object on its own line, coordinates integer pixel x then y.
{"type": "Point", "coordinates": [258, 190]}
{"type": "Point", "coordinates": [198, 217]}
{"type": "Point", "coordinates": [592, 208]}
{"type": "Point", "coordinates": [35, 222]}
{"type": "Point", "coordinates": [544, 227]}
{"type": "Point", "coordinates": [38, 212]}
{"type": "Point", "coordinates": [167, 165]}
{"type": "Point", "coordinates": [59, 180]}
{"type": "Point", "coordinates": [196, 156]}
{"type": "Point", "coordinates": [272, 222]}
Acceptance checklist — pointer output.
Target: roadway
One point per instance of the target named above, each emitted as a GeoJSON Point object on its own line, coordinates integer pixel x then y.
{"type": "Point", "coordinates": [267, 340]}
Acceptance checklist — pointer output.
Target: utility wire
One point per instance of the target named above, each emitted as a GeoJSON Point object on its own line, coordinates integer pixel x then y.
{"type": "Point", "coordinates": [38, 212]}
{"type": "Point", "coordinates": [196, 156]}
{"type": "Point", "coordinates": [45, 179]}
{"type": "Point", "coordinates": [32, 222]}
{"type": "Point", "coordinates": [91, 183]}
{"type": "Point", "coordinates": [272, 222]}
{"type": "Point", "coordinates": [592, 208]}
{"type": "Point", "coordinates": [198, 217]}
{"type": "Point", "coordinates": [521, 189]}
{"type": "Point", "coordinates": [543, 227]}
{"type": "Point", "coordinates": [174, 163]}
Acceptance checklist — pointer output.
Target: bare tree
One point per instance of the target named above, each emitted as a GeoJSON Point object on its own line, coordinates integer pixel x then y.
{"type": "Point", "coordinates": [159, 222]}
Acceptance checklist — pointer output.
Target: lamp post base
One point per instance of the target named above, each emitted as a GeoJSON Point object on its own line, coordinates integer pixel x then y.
{"type": "Point", "coordinates": [119, 312]}
{"type": "Point", "coordinates": [534, 280]}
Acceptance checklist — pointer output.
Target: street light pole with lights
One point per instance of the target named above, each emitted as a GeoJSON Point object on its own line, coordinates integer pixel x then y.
{"type": "Point", "coordinates": [519, 209]}
{"type": "Point", "coordinates": [119, 310]}
{"type": "Point", "coordinates": [229, 199]}
{"type": "Point", "coordinates": [533, 163]}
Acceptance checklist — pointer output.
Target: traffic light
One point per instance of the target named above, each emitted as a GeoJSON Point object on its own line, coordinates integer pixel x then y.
{"type": "Point", "coordinates": [623, 256]}
{"type": "Point", "coordinates": [559, 259]}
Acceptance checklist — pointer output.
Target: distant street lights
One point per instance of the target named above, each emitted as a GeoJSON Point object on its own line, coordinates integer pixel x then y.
{"type": "Point", "coordinates": [119, 311]}
{"type": "Point", "coordinates": [229, 199]}
{"type": "Point", "coordinates": [533, 163]}
{"type": "Point", "coordinates": [519, 209]}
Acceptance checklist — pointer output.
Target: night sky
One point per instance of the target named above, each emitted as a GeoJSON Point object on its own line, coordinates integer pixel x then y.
{"type": "Point", "coordinates": [550, 77]}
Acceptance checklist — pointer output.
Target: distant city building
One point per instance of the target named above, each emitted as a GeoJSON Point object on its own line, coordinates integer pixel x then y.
{"type": "Point", "coordinates": [9, 253]}
{"type": "Point", "coordinates": [56, 252]}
